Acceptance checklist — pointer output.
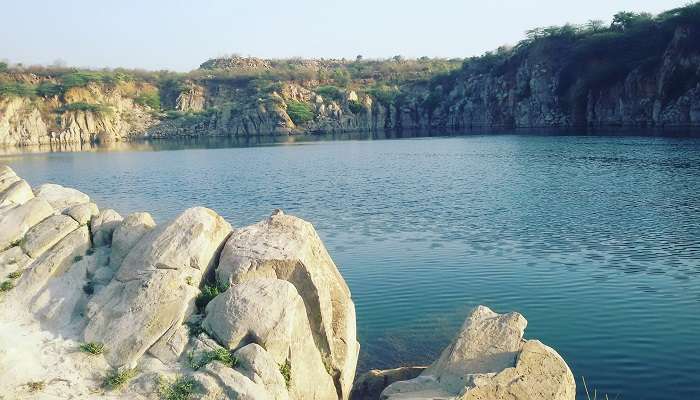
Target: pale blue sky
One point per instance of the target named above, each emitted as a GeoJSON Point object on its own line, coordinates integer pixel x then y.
{"type": "Point", "coordinates": [179, 35]}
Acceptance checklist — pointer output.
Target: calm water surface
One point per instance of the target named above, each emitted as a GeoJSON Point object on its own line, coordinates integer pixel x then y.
{"type": "Point", "coordinates": [596, 240]}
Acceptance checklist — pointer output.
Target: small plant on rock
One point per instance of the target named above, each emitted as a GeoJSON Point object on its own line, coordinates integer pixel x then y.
{"type": "Point", "coordinates": [180, 389]}
{"type": "Point", "coordinates": [286, 371]}
{"type": "Point", "coordinates": [36, 386]}
{"type": "Point", "coordinates": [15, 275]}
{"type": "Point", "coordinates": [208, 294]}
{"type": "Point", "coordinates": [6, 286]}
{"type": "Point", "coordinates": [93, 348]}
{"type": "Point", "coordinates": [117, 379]}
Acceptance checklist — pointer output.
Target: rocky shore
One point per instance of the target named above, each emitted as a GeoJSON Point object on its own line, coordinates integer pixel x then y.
{"type": "Point", "coordinates": [94, 305]}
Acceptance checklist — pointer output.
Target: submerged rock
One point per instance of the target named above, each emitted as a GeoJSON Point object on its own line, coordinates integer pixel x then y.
{"type": "Point", "coordinates": [489, 360]}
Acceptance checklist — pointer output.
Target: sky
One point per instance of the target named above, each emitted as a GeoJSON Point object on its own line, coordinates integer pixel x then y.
{"type": "Point", "coordinates": [179, 35]}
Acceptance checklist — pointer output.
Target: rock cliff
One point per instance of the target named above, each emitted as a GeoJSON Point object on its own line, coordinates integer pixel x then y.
{"type": "Point", "coordinates": [95, 305]}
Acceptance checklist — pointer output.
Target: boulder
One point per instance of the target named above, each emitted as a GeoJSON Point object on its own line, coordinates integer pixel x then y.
{"type": "Point", "coordinates": [127, 233]}
{"type": "Point", "coordinates": [7, 177]}
{"type": "Point", "coordinates": [259, 366]}
{"type": "Point", "coordinates": [47, 233]}
{"type": "Point", "coordinates": [170, 346]}
{"type": "Point", "coordinates": [11, 260]}
{"type": "Point", "coordinates": [53, 263]}
{"type": "Point", "coordinates": [270, 313]}
{"type": "Point", "coordinates": [482, 362]}
{"type": "Point", "coordinates": [15, 222]}
{"type": "Point", "coordinates": [149, 293]}
{"type": "Point", "coordinates": [60, 198]}
{"type": "Point", "coordinates": [218, 381]}
{"type": "Point", "coordinates": [17, 193]}
{"type": "Point", "coordinates": [288, 248]}
{"type": "Point", "coordinates": [103, 225]}
{"type": "Point", "coordinates": [369, 386]}
{"type": "Point", "coordinates": [61, 300]}
{"type": "Point", "coordinates": [82, 213]}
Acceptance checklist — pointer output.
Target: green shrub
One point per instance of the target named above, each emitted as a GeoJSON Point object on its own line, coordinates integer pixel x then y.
{"type": "Point", "coordinates": [221, 354]}
{"type": "Point", "coordinates": [37, 386]}
{"type": "Point", "coordinates": [92, 348]}
{"type": "Point", "coordinates": [117, 379]}
{"type": "Point", "coordinates": [182, 388]}
{"type": "Point", "coordinates": [299, 112]}
{"type": "Point", "coordinates": [87, 107]}
{"type": "Point", "coordinates": [151, 99]}
{"type": "Point", "coordinates": [286, 371]}
{"type": "Point", "coordinates": [330, 92]}
{"type": "Point", "coordinates": [3, 66]}
{"type": "Point", "coordinates": [208, 293]}
{"type": "Point", "coordinates": [49, 89]}
{"type": "Point", "coordinates": [15, 275]}
{"type": "Point", "coordinates": [17, 89]}
{"type": "Point", "coordinates": [384, 94]}
{"type": "Point", "coordinates": [356, 107]}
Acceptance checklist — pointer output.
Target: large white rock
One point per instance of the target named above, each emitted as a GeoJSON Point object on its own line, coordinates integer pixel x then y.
{"type": "Point", "coordinates": [484, 362]}
{"type": "Point", "coordinates": [17, 193]}
{"type": "Point", "coordinates": [271, 313]}
{"type": "Point", "coordinates": [218, 382]}
{"type": "Point", "coordinates": [47, 233]}
{"type": "Point", "coordinates": [288, 248]}
{"type": "Point", "coordinates": [15, 222]}
{"type": "Point", "coordinates": [150, 294]}
{"type": "Point", "coordinates": [59, 303]}
{"type": "Point", "coordinates": [61, 198]}
{"type": "Point", "coordinates": [103, 225]}
{"type": "Point", "coordinates": [7, 177]}
{"type": "Point", "coordinates": [52, 263]}
{"type": "Point", "coordinates": [82, 213]}
{"type": "Point", "coordinates": [127, 233]}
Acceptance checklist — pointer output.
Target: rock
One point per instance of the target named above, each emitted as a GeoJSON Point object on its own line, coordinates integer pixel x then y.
{"type": "Point", "coordinates": [127, 233]}
{"type": "Point", "coordinates": [17, 193]}
{"type": "Point", "coordinates": [288, 248]}
{"type": "Point", "coordinates": [13, 259]}
{"type": "Point", "coordinates": [83, 213]}
{"type": "Point", "coordinates": [53, 263]}
{"type": "Point", "coordinates": [221, 382]}
{"type": "Point", "coordinates": [103, 226]}
{"type": "Point", "coordinates": [370, 385]}
{"type": "Point", "coordinates": [149, 294]}
{"type": "Point", "coordinates": [257, 365]}
{"type": "Point", "coordinates": [103, 275]}
{"type": "Point", "coordinates": [489, 360]}
{"type": "Point", "coordinates": [7, 177]}
{"type": "Point", "coordinates": [60, 198]}
{"type": "Point", "coordinates": [46, 233]}
{"type": "Point", "coordinates": [170, 346]}
{"type": "Point", "coordinates": [15, 222]}
{"type": "Point", "coordinates": [271, 313]}
{"type": "Point", "coordinates": [60, 302]}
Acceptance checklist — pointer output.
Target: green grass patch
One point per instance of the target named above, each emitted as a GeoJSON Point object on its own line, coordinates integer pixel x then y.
{"type": "Point", "coordinates": [182, 388]}
{"type": "Point", "coordinates": [286, 371]}
{"type": "Point", "coordinates": [15, 275]}
{"type": "Point", "coordinates": [221, 354]}
{"type": "Point", "coordinates": [87, 107]}
{"type": "Point", "coordinates": [92, 348]}
{"type": "Point", "coordinates": [356, 107]}
{"type": "Point", "coordinates": [6, 286]}
{"type": "Point", "coordinates": [299, 112]}
{"type": "Point", "coordinates": [329, 92]}
{"type": "Point", "coordinates": [117, 379]}
{"type": "Point", "coordinates": [208, 293]}
{"type": "Point", "coordinates": [151, 99]}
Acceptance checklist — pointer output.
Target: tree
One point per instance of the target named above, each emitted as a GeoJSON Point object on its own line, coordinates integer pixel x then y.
{"type": "Point", "coordinates": [359, 58]}
{"type": "Point", "coordinates": [3, 66]}
{"type": "Point", "coordinates": [595, 25]}
{"type": "Point", "coordinates": [625, 19]}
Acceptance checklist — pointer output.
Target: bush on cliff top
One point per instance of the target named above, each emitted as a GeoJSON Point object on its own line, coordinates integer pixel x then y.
{"type": "Point", "coordinates": [299, 112]}
{"type": "Point", "coordinates": [86, 107]}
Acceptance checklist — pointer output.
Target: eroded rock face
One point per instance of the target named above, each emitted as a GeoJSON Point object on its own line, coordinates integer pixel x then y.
{"type": "Point", "coordinates": [16, 193]}
{"type": "Point", "coordinates": [103, 226]}
{"type": "Point", "coordinates": [151, 291]}
{"type": "Point", "coordinates": [489, 360]}
{"type": "Point", "coordinates": [47, 233]}
{"type": "Point", "coordinates": [127, 234]}
{"type": "Point", "coordinates": [288, 248]}
{"type": "Point", "coordinates": [16, 221]}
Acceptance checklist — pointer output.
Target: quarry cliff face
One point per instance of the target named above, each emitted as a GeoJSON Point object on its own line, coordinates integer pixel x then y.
{"type": "Point", "coordinates": [547, 85]}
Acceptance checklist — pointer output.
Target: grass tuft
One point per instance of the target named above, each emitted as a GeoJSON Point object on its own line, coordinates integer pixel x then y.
{"type": "Point", "coordinates": [117, 379]}
{"type": "Point", "coordinates": [93, 348]}
{"type": "Point", "coordinates": [15, 275]}
{"type": "Point", "coordinates": [37, 386]}
{"type": "Point", "coordinates": [6, 286]}
{"type": "Point", "coordinates": [208, 293]}
{"type": "Point", "coordinates": [221, 354]}
{"type": "Point", "coordinates": [182, 388]}
{"type": "Point", "coordinates": [286, 371]}
{"type": "Point", "coordinates": [594, 396]}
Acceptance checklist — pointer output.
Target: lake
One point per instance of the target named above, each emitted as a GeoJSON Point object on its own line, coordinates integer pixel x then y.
{"type": "Point", "coordinates": [595, 239]}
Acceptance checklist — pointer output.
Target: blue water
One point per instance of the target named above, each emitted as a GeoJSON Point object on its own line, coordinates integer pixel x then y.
{"type": "Point", "coordinates": [596, 240]}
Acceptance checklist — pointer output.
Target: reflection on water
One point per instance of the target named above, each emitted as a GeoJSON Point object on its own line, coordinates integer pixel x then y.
{"type": "Point", "coordinates": [595, 239]}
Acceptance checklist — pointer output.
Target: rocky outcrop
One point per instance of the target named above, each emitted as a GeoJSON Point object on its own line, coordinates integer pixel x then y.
{"type": "Point", "coordinates": [259, 312]}
{"type": "Point", "coordinates": [489, 360]}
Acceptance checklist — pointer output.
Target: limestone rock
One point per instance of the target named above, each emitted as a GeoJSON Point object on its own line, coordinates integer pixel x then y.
{"type": "Point", "coordinates": [53, 263]}
{"type": "Point", "coordinates": [61, 198]}
{"type": "Point", "coordinates": [46, 233]}
{"type": "Point", "coordinates": [82, 213]}
{"type": "Point", "coordinates": [13, 259]}
{"type": "Point", "coordinates": [7, 177]}
{"type": "Point", "coordinates": [370, 385]}
{"type": "Point", "coordinates": [103, 226]}
{"type": "Point", "coordinates": [489, 360]}
{"type": "Point", "coordinates": [257, 365]}
{"type": "Point", "coordinates": [15, 222]}
{"type": "Point", "coordinates": [17, 193]}
{"type": "Point", "coordinates": [171, 345]}
{"type": "Point", "coordinates": [127, 233]}
{"type": "Point", "coordinates": [271, 313]}
{"type": "Point", "coordinates": [149, 294]}
{"type": "Point", "coordinates": [288, 248]}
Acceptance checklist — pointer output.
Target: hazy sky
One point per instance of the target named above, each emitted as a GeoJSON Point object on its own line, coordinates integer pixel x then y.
{"type": "Point", "coordinates": [178, 34]}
